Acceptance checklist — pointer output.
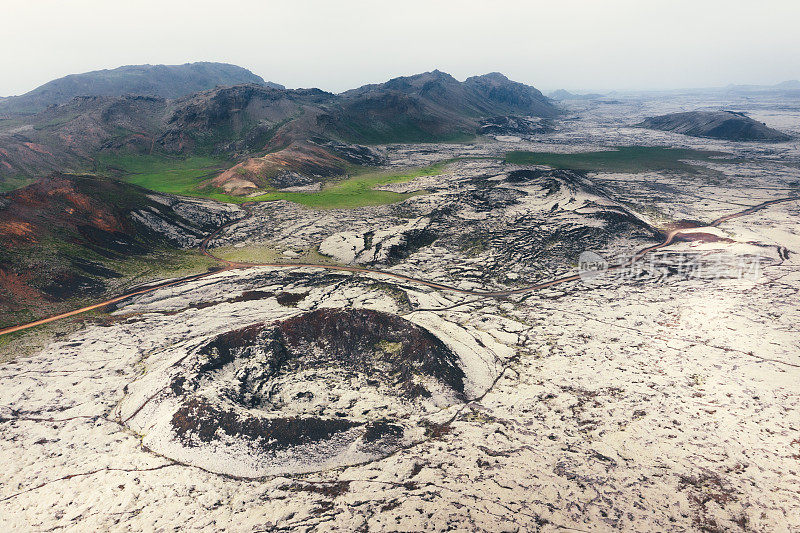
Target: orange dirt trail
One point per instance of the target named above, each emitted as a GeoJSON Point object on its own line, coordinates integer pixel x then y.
{"type": "Point", "coordinates": [230, 265]}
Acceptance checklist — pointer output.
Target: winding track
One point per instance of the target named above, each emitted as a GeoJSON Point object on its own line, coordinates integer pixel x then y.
{"type": "Point", "coordinates": [231, 265]}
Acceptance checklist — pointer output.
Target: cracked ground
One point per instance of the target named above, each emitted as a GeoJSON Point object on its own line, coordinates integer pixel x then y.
{"type": "Point", "coordinates": [662, 400]}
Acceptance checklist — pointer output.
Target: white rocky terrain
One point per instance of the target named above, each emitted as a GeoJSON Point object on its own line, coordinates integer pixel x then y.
{"type": "Point", "coordinates": [665, 396]}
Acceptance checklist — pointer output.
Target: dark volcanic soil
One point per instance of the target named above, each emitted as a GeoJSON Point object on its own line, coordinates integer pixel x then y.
{"type": "Point", "coordinates": [198, 419]}
{"type": "Point", "coordinates": [382, 346]}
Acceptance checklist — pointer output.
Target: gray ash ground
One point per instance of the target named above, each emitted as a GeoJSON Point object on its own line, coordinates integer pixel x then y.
{"type": "Point", "coordinates": [273, 399]}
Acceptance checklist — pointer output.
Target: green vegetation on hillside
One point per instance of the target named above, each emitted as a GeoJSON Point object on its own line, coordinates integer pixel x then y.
{"type": "Point", "coordinates": [10, 184]}
{"type": "Point", "coordinates": [163, 174]}
{"type": "Point", "coordinates": [184, 177]}
{"type": "Point", "coordinates": [357, 130]}
{"type": "Point", "coordinates": [266, 253]}
{"type": "Point", "coordinates": [625, 159]}
{"type": "Point", "coordinates": [356, 191]}
{"type": "Point", "coordinates": [165, 263]}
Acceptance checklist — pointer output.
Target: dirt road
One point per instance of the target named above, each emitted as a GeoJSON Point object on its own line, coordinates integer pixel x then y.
{"type": "Point", "coordinates": [229, 265]}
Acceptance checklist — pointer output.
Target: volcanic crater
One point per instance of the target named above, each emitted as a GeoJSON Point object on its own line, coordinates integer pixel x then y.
{"type": "Point", "coordinates": [323, 388]}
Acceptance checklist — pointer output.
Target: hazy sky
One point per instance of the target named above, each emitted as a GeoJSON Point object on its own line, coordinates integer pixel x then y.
{"type": "Point", "coordinates": [340, 44]}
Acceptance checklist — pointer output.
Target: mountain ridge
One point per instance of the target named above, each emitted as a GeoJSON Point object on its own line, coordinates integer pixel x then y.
{"type": "Point", "coordinates": [243, 121]}
{"type": "Point", "coordinates": [166, 81]}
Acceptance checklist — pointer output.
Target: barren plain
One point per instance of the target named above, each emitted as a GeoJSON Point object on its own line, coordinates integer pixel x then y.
{"type": "Point", "coordinates": [665, 396]}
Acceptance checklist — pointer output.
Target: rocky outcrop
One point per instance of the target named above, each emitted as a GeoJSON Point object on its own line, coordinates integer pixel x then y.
{"type": "Point", "coordinates": [298, 164]}
{"type": "Point", "coordinates": [379, 245]}
{"type": "Point", "coordinates": [511, 125]}
{"type": "Point", "coordinates": [356, 154]}
{"type": "Point", "coordinates": [726, 125]}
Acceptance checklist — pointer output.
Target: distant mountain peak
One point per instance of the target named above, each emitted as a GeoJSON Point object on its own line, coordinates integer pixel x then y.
{"type": "Point", "coordinates": [166, 81]}
{"type": "Point", "coordinates": [491, 76]}
{"type": "Point", "coordinates": [417, 80]}
{"type": "Point", "coordinates": [242, 119]}
{"type": "Point", "coordinates": [789, 84]}
{"type": "Point", "coordinates": [563, 94]}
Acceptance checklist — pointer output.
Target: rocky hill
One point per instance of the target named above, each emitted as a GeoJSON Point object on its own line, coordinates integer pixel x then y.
{"type": "Point", "coordinates": [166, 81]}
{"type": "Point", "coordinates": [242, 118]}
{"type": "Point", "coordinates": [427, 107]}
{"type": "Point", "coordinates": [726, 125]}
{"type": "Point", "coordinates": [65, 138]}
{"type": "Point", "coordinates": [431, 106]}
{"type": "Point", "coordinates": [64, 235]}
{"type": "Point", "coordinates": [243, 122]}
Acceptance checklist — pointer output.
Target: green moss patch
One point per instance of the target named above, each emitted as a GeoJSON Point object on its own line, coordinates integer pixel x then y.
{"type": "Point", "coordinates": [626, 159]}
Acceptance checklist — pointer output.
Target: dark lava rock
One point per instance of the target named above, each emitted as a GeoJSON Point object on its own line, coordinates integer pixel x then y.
{"type": "Point", "coordinates": [525, 175]}
{"type": "Point", "coordinates": [67, 284]}
{"type": "Point", "coordinates": [489, 199]}
{"type": "Point", "coordinates": [412, 241]}
{"type": "Point", "coordinates": [511, 125]}
{"type": "Point", "coordinates": [292, 179]}
{"type": "Point", "coordinates": [381, 429]}
{"type": "Point", "coordinates": [355, 153]}
{"type": "Point", "coordinates": [290, 299]}
{"type": "Point", "coordinates": [198, 419]}
{"type": "Point", "coordinates": [726, 125]}
{"type": "Point", "coordinates": [379, 345]}
{"type": "Point", "coordinates": [249, 296]}
{"type": "Point", "coordinates": [246, 367]}
{"type": "Point", "coordinates": [546, 177]}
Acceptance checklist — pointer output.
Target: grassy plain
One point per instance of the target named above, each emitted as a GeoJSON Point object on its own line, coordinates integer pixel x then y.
{"type": "Point", "coordinates": [625, 159]}
{"type": "Point", "coordinates": [185, 177]}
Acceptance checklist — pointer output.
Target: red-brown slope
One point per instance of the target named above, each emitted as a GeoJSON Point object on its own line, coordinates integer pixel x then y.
{"type": "Point", "coordinates": [58, 235]}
